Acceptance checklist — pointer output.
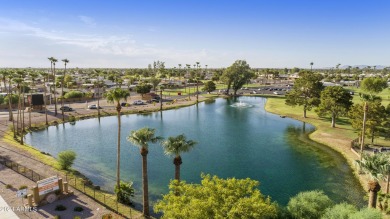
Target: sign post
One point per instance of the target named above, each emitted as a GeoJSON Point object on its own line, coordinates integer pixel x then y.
{"type": "Point", "coordinates": [21, 193]}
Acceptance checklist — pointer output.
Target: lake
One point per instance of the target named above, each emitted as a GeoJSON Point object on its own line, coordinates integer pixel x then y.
{"type": "Point", "coordinates": [233, 141]}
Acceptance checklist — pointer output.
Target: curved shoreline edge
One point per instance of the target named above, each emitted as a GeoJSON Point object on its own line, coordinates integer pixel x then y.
{"type": "Point", "coordinates": [343, 149]}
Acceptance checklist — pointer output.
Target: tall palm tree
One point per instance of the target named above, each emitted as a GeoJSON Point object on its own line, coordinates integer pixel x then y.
{"type": "Point", "coordinates": [175, 146]}
{"type": "Point", "coordinates": [311, 66]}
{"type": "Point", "coordinates": [115, 96]}
{"type": "Point", "coordinates": [44, 75]}
{"type": "Point", "coordinates": [179, 70]}
{"type": "Point", "coordinates": [53, 71]}
{"type": "Point", "coordinates": [18, 81]}
{"type": "Point", "coordinates": [141, 138]}
{"type": "Point", "coordinates": [373, 165]}
{"type": "Point", "coordinates": [197, 79]}
{"type": "Point", "coordinates": [97, 73]}
{"type": "Point", "coordinates": [54, 80]}
{"type": "Point", "coordinates": [10, 79]}
{"type": "Point", "coordinates": [4, 74]}
{"type": "Point", "coordinates": [66, 61]}
{"type": "Point", "coordinates": [33, 75]}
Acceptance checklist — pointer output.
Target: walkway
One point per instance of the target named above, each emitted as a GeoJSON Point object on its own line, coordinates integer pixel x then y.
{"type": "Point", "coordinates": [5, 210]}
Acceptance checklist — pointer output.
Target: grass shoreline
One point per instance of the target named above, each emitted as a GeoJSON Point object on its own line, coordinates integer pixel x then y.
{"type": "Point", "coordinates": [338, 138]}
{"type": "Point", "coordinates": [273, 105]}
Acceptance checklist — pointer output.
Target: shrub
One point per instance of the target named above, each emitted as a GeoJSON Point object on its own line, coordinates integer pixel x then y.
{"type": "Point", "coordinates": [72, 118]}
{"type": "Point", "coordinates": [66, 158]}
{"type": "Point", "coordinates": [367, 213]}
{"type": "Point", "coordinates": [60, 208]}
{"type": "Point", "coordinates": [76, 217]}
{"type": "Point", "coordinates": [73, 94]}
{"type": "Point", "coordinates": [311, 204]}
{"type": "Point", "coordinates": [78, 209]}
{"type": "Point", "coordinates": [22, 187]}
{"type": "Point", "coordinates": [107, 216]}
{"type": "Point", "coordinates": [14, 99]}
{"type": "Point", "coordinates": [124, 193]}
{"type": "Point", "coordinates": [339, 211]}
{"type": "Point", "coordinates": [57, 217]}
{"type": "Point", "coordinates": [8, 186]}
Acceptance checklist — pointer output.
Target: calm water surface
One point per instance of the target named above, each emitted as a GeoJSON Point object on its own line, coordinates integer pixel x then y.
{"type": "Point", "coordinates": [232, 142]}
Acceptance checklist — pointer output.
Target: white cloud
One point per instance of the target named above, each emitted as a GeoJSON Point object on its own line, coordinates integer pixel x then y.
{"type": "Point", "coordinates": [87, 20]}
{"type": "Point", "coordinates": [111, 47]}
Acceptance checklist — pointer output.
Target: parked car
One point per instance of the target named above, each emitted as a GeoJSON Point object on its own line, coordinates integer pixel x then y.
{"type": "Point", "coordinates": [94, 106]}
{"type": "Point", "coordinates": [138, 102]}
{"type": "Point", "coordinates": [277, 93]}
{"type": "Point", "coordinates": [66, 108]}
{"type": "Point", "coordinates": [125, 104]}
{"type": "Point", "coordinates": [254, 92]}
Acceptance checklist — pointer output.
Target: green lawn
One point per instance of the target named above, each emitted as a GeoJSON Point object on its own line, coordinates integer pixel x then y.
{"type": "Point", "coordinates": [385, 95]}
{"type": "Point", "coordinates": [342, 134]}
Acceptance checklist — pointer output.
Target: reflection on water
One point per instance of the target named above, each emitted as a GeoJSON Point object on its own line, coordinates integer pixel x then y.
{"type": "Point", "coordinates": [327, 158]}
{"type": "Point", "coordinates": [241, 143]}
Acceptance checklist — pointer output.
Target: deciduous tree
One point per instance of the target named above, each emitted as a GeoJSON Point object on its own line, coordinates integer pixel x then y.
{"type": "Point", "coordinates": [216, 198]}
{"type": "Point", "coordinates": [209, 86]}
{"type": "Point", "coordinates": [306, 91]}
{"type": "Point", "coordinates": [335, 101]}
{"type": "Point", "coordinates": [237, 75]}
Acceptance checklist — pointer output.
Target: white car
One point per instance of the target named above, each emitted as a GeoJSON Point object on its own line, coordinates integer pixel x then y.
{"type": "Point", "coordinates": [94, 106]}
{"type": "Point", "coordinates": [138, 102]}
{"type": "Point", "coordinates": [277, 93]}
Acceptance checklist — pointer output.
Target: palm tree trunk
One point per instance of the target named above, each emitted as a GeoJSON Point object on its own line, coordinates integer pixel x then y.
{"type": "Point", "coordinates": [45, 98]}
{"type": "Point", "coordinates": [98, 96]}
{"type": "Point", "coordinates": [118, 149]}
{"type": "Point", "coordinates": [197, 90]}
{"type": "Point", "coordinates": [388, 183]}
{"type": "Point", "coordinates": [22, 133]}
{"type": "Point", "coordinates": [10, 118]}
{"type": "Point", "coordinates": [29, 112]}
{"type": "Point", "coordinates": [55, 95]}
{"type": "Point", "coordinates": [18, 113]}
{"type": "Point", "coordinates": [62, 99]}
{"type": "Point", "coordinates": [144, 153]}
{"type": "Point", "coordinates": [177, 161]}
{"type": "Point", "coordinates": [23, 109]}
{"type": "Point", "coordinates": [373, 188]}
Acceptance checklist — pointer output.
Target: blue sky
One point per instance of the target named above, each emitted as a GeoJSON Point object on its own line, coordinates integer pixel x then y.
{"type": "Point", "coordinates": [129, 34]}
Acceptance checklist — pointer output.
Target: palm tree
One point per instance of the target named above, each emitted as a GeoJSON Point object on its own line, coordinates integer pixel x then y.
{"type": "Point", "coordinates": [141, 138]}
{"type": "Point", "coordinates": [311, 66]}
{"type": "Point", "coordinates": [373, 165]}
{"type": "Point", "coordinates": [175, 146]}
{"type": "Point", "coordinates": [97, 73]}
{"type": "Point", "coordinates": [18, 82]}
{"type": "Point", "coordinates": [4, 75]}
{"type": "Point", "coordinates": [33, 75]}
{"type": "Point", "coordinates": [44, 75]}
{"type": "Point", "coordinates": [66, 61]}
{"type": "Point", "coordinates": [115, 96]}
{"type": "Point", "coordinates": [179, 71]}
{"type": "Point", "coordinates": [197, 79]}
{"type": "Point", "coordinates": [53, 71]}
